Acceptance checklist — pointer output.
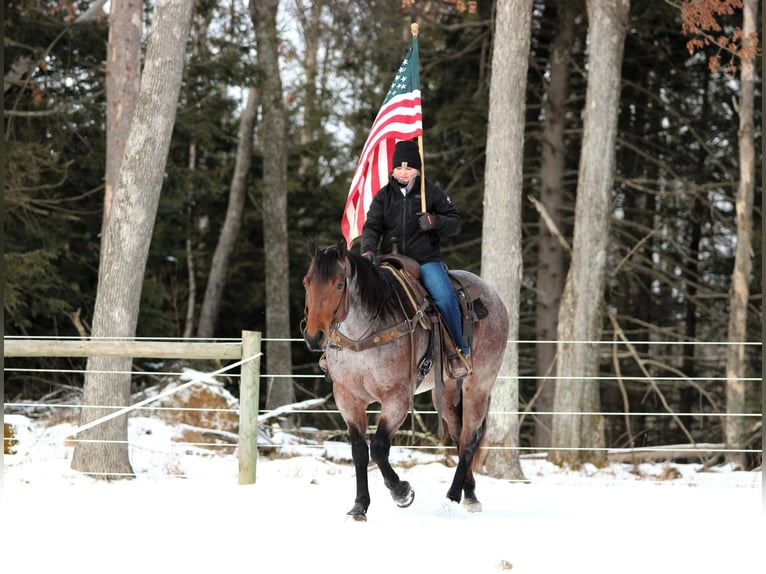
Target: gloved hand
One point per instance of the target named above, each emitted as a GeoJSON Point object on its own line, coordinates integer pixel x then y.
{"type": "Point", "coordinates": [369, 255]}
{"type": "Point", "coordinates": [427, 221]}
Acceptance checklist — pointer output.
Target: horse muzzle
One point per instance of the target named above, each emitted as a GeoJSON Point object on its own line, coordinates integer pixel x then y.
{"type": "Point", "coordinates": [315, 342]}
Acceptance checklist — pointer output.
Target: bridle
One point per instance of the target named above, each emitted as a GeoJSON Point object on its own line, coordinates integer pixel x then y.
{"type": "Point", "coordinates": [380, 337]}
{"type": "Point", "coordinates": [383, 336]}
{"type": "Point", "coordinates": [340, 311]}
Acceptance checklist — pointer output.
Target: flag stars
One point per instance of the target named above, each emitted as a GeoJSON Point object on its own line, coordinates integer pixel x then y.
{"type": "Point", "coordinates": [400, 84]}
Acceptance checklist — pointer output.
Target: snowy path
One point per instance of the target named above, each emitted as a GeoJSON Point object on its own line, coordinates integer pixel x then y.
{"type": "Point", "coordinates": [293, 519]}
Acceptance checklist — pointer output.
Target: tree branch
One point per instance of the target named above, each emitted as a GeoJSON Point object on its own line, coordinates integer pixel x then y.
{"type": "Point", "coordinates": [652, 382]}
{"type": "Point", "coordinates": [551, 225]}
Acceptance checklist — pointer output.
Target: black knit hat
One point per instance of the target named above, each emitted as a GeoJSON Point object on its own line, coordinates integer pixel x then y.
{"type": "Point", "coordinates": [406, 154]}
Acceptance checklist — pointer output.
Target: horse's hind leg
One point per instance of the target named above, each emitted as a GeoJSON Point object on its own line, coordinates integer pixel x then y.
{"type": "Point", "coordinates": [464, 473]}
{"type": "Point", "coordinates": [467, 430]}
{"type": "Point", "coordinates": [401, 491]}
{"type": "Point", "coordinates": [464, 480]}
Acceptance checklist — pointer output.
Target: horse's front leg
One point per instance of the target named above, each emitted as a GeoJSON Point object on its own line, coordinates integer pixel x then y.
{"type": "Point", "coordinates": [354, 412]}
{"type": "Point", "coordinates": [361, 457]}
{"type": "Point", "coordinates": [390, 421]}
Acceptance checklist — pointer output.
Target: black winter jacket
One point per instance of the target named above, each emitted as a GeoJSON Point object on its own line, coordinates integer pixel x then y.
{"type": "Point", "coordinates": [394, 217]}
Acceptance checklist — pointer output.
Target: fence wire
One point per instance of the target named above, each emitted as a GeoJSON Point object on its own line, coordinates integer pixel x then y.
{"type": "Point", "coordinates": [37, 409]}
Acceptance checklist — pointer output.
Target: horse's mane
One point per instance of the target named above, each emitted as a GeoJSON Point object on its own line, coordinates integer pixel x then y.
{"type": "Point", "coordinates": [378, 291]}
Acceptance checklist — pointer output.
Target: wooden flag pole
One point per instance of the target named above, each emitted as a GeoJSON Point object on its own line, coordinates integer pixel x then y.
{"type": "Point", "coordinates": [415, 28]}
{"type": "Point", "coordinates": [422, 176]}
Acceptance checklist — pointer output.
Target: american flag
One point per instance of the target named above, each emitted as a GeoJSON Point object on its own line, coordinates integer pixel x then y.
{"type": "Point", "coordinates": [400, 118]}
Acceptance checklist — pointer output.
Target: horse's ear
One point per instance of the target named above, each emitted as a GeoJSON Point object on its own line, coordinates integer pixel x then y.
{"type": "Point", "coordinates": [342, 247]}
{"type": "Point", "coordinates": [313, 249]}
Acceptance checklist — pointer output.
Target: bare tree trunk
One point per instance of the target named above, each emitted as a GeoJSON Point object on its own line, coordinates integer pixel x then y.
{"type": "Point", "coordinates": [190, 268]}
{"type": "Point", "coordinates": [311, 25]}
{"type": "Point", "coordinates": [276, 253]}
{"type": "Point", "coordinates": [688, 394]}
{"type": "Point", "coordinates": [501, 263]}
{"type": "Point", "coordinates": [551, 255]}
{"type": "Point", "coordinates": [581, 311]}
{"type": "Point", "coordinates": [123, 80]}
{"type": "Point", "coordinates": [734, 426]}
{"type": "Point", "coordinates": [125, 244]}
{"type": "Point", "coordinates": [219, 268]}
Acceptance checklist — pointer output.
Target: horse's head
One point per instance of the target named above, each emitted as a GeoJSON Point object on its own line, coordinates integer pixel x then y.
{"type": "Point", "coordinates": [326, 284]}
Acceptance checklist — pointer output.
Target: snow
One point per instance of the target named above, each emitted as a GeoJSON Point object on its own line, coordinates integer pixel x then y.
{"type": "Point", "coordinates": [619, 519]}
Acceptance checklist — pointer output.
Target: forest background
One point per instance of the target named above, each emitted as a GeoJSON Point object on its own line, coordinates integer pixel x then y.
{"type": "Point", "coordinates": [673, 232]}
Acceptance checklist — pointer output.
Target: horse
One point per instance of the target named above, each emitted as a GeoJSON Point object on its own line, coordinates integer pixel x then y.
{"type": "Point", "coordinates": [376, 349]}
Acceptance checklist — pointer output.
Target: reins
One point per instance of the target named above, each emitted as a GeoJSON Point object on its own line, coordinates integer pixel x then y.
{"type": "Point", "coordinates": [383, 336]}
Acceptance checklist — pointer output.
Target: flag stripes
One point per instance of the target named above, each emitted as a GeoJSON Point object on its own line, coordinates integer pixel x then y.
{"type": "Point", "coordinates": [399, 118]}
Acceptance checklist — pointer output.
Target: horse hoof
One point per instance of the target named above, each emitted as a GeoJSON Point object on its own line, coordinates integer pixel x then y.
{"type": "Point", "coordinates": [408, 500]}
{"type": "Point", "coordinates": [358, 513]}
{"type": "Point", "coordinates": [472, 505]}
{"type": "Point", "coordinates": [403, 494]}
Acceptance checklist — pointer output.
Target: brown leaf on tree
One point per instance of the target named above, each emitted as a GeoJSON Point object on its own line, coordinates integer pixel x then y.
{"type": "Point", "coordinates": [700, 18]}
{"type": "Point", "coordinates": [37, 98]}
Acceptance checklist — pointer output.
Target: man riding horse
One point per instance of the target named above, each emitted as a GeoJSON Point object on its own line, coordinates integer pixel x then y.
{"type": "Point", "coordinates": [395, 222]}
{"type": "Point", "coordinates": [376, 349]}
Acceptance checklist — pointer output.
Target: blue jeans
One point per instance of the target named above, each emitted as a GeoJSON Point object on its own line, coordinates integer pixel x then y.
{"type": "Point", "coordinates": [435, 278]}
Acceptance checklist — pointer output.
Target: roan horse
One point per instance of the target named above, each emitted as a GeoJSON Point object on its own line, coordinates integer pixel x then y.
{"type": "Point", "coordinates": [377, 350]}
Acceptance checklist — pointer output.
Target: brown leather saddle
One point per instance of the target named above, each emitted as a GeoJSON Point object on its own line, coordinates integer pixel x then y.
{"type": "Point", "coordinates": [407, 272]}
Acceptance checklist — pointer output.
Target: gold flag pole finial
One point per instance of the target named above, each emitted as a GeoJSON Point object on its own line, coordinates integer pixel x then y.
{"type": "Point", "coordinates": [415, 28]}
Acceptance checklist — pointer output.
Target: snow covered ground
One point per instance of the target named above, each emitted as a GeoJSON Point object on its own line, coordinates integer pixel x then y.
{"type": "Point", "coordinates": [618, 520]}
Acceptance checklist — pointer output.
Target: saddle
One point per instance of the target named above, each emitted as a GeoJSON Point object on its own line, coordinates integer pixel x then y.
{"type": "Point", "coordinates": [407, 272]}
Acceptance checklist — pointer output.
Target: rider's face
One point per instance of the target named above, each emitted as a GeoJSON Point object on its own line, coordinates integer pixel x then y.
{"type": "Point", "coordinates": [405, 174]}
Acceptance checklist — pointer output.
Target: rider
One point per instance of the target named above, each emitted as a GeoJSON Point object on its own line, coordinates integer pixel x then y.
{"type": "Point", "coordinates": [395, 216]}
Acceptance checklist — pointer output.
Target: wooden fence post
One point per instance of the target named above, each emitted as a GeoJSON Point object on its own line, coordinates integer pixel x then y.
{"type": "Point", "coordinates": [248, 407]}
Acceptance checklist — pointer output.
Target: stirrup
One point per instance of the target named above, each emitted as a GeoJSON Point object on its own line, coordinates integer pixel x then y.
{"type": "Point", "coordinates": [459, 365]}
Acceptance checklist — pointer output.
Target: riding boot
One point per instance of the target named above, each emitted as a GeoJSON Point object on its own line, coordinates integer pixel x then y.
{"type": "Point", "coordinates": [460, 364]}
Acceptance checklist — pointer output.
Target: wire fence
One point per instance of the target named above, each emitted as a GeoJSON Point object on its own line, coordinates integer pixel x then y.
{"type": "Point", "coordinates": [64, 405]}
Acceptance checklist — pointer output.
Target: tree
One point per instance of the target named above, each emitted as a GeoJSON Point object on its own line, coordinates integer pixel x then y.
{"type": "Point", "coordinates": [219, 266]}
{"type": "Point", "coordinates": [551, 268]}
{"type": "Point", "coordinates": [501, 263]}
{"type": "Point", "coordinates": [125, 244]}
{"type": "Point", "coordinates": [673, 224]}
{"type": "Point", "coordinates": [49, 198]}
{"type": "Point", "coordinates": [582, 302]}
{"type": "Point", "coordinates": [274, 190]}
{"type": "Point", "coordinates": [208, 174]}
{"type": "Point", "coordinates": [734, 426]}
{"type": "Point", "coordinates": [123, 79]}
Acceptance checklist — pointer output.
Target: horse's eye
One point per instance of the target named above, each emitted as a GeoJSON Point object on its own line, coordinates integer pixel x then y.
{"type": "Point", "coordinates": [339, 286]}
